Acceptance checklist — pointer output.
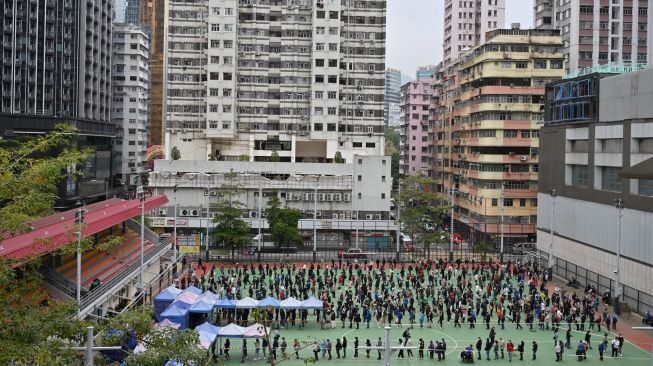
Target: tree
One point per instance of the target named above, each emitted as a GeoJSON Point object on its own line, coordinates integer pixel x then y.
{"type": "Point", "coordinates": [392, 149]}
{"type": "Point", "coordinates": [274, 157]}
{"type": "Point", "coordinates": [337, 158]}
{"type": "Point", "coordinates": [420, 213]}
{"type": "Point", "coordinates": [230, 228]}
{"type": "Point", "coordinates": [243, 157]}
{"type": "Point", "coordinates": [174, 153]}
{"type": "Point", "coordinates": [283, 222]}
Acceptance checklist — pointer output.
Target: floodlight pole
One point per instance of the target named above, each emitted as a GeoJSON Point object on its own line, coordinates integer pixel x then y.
{"type": "Point", "coordinates": [398, 204]}
{"type": "Point", "coordinates": [174, 232]}
{"type": "Point", "coordinates": [315, 221]}
{"type": "Point", "coordinates": [451, 225]}
{"type": "Point", "coordinates": [553, 205]}
{"type": "Point", "coordinates": [141, 193]}
{"type": "Point", "coordinates": [260, 222]}
{"type": "Point", "coordinates": [79, 221]}
{"type": "Point", "coordinates": [619, 204]}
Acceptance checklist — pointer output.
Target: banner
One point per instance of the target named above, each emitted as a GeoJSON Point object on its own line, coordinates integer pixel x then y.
{"type": "Point", "coordinates": [189, 249]}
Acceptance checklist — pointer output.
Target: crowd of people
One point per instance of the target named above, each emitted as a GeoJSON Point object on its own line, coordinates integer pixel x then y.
{"type": "Point", "coordinates": [424, 294]}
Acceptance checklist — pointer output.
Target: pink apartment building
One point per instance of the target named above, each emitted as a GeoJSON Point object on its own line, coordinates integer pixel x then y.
{"type": "Point", "coordinates": [414, 127]}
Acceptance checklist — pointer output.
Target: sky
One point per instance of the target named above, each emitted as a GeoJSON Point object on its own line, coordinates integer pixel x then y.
{"type": "Point", "coordinates": [415, 30]}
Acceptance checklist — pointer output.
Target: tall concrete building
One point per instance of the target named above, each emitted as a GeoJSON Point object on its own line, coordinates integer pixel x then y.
{"type": "Point", "coordinates": [425, 72]}
{"type": "Point", "coordinates": [467, 21]}
{"type": "Point", "coordinates": [56, 68]}
{"type": "Point", "coordinates": [152, 19]}
{"type": "Point", "coordinates": [492, 103]}
{"type": "Point", "coordinates": [413, 128]}
{"type": "Point", "coordinates": [302, 79]}
{"type": "Point", "coordinates": [131, 89]}
{"type": "Point", "coordinates": [598, 32]}
{"type": "Point", "coordinates": [597, 149]}
{"type": "Point", "coordinates": [392, 96]}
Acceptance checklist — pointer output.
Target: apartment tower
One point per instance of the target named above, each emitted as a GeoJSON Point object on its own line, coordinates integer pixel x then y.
{"type": "Point", "coordinates": [297, 79]}
{"type": "Point", "coordinates": [392, 96]}
{"type": "Point", "coordinates": [413, 128]}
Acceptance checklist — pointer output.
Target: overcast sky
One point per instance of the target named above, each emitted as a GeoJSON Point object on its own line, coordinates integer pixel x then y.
{"type": "Point", "coordinates": [415, 30]}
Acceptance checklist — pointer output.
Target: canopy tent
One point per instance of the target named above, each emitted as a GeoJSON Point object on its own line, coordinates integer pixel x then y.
{"type": "Point", "coordinates": [226, 304]}
{"type": "Point", "coordinates": [194, 290]}
{"type": "Point", "coordinates": [206, 339]}
{"type": "Point", "coordinates": [164, 299]}
{"type": "Point", "coordinates": [643, 170]}
{"type": "Point", "coordinates": [247, 303]}
{"type": "Point", "coordinates": [166, 323]}
{"type": "Point", "coordinates": [290, 303]}
{"type": "Point", "coordinates": [256, 331]}
{"type": "Point", "coordinates": [176, 315]}
{"type": "Point", "coordinates": [269, 301]}
{"type": "Point", "coordinates": [312, 303]}
{"type": "Point", "coordinates": [182, 304]}
{"type": "Point", "coordinates": [210, 297]}
{"type": "Point", "coordinates": [232, 331]}
{"type": "Point", "coordinates": [188, 297]}
{"type": "Point", "coordinates": [202, 307]}
{"type": "Point", "coordinates": [208, 327]}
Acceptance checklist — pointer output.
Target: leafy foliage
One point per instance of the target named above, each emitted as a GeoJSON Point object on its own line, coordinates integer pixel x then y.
{"type": "Point", "coordinates": [337, 158]}
{"type": "Point", "coordinates": [175, 154]}
{"type": "Point", "coordinates": [283, 222]}
{"type": "Point", "coordinates": [420, 212]}
{"type": "Point", "coordinates": [230, 228]}
{"type": "Point", "coordinates": [274, 157]}
{"type": "Point", "coordinates": [243, 157]}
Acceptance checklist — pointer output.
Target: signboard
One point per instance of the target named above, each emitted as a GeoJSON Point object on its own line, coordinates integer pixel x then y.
{"type": "Point", "coordinates": [189, 249]}
{"type": "Point", "coordinates": [326, 225]}
{"type": "Point", "coordinates": [168, 222]}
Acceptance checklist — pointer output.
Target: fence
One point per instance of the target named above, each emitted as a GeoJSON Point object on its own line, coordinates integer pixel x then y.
{"type": "Point", "coordinates": [638, 301]}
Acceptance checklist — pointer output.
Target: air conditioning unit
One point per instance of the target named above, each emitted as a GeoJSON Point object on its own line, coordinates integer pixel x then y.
{"type": "Point", "coordinates": [377, 216]}
{"type": "Point", "coordinates": [296, 197]}
{"type": "Point", "coordinates": [369, 217]}
{"type": "Point", "coordinates": [206, 192]}
{"type": "Point", "coordinates": [523, 158]}
{"type": "Point", "coordinates": [263, 215]}
{"type": "Point", "coordinates": [214, 193]}
{"type": "Point", "coordinates": [341, 216]}
{"type": "Point", "coordinates": [329, 197]}
{"type": "Point", "coordinates": [163, 212]}
{"type": "Point", "coordinates": [318, 213]}
{"type": "Point", "coordinates": [320, 196]}
{"type": "Point", "coordinates": [335, 216]}
{"type": "Point", "coordinates": [337, 197]}
{"type": "Point", "coordinates": [346, 197]}
{"type": "Point", "coordinates": [354, 216]}
{"type": "Point", "coordinates": [212, 215]}
{"type": "Point", "coordinates": [253, 214]}
{"type": "Point", "coordinates": [194, 213]}
{"type": "Point", "coordinates": [184, 212]}
{"type": "Point", "coordinates": [312, 197]}
{"type": "Point", "coordinates": [305, 196]}
{"type": "Point", "coordinates": [288, 196]}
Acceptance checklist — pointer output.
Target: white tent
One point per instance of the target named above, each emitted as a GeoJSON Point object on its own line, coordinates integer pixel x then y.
{"type": "Point", "coordinates": [291, 303]}
{"type": "Point", "coordinates": [231, 331]}
{"type": "Point", "coordinates": [256, 331]}
{"type": "Point", "coordinates": [247, 303]}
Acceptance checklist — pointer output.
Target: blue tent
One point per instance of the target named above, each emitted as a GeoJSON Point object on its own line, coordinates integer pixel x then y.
{"type": "Point", "coordinates": [269, 301]}
{"type": "Point", "coordinates": [176, 315]}
{"type": "Point", "coordinates": [194, 290]}
{"type": "Point", "coordinates": [163, 300]}
{"type": "Point", "coordinates": [226, 304]}
{"type": "Point", "coordinates": [201, 307]}
{"type": "Point", "coordinates": [181, 304]}
{"type": "Point", "coordinates": [208, 327]}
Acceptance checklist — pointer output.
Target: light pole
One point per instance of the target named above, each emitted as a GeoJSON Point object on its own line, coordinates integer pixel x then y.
{"type": "Point", "coordinates": [317, 181]}
{"type": "Point", "coordinates": [453, 191]}
{"type": "Point", "coordinates": [398, 218]}
{"type": "Point", "coordinates": [619, 204]}
{"type": "Point", "coordinates": [174, 231]}
{"type": "Point", "coordinates": [208, 221]}
{"type": "Point", "coordinates": [141, 194]}
{"type": "Point", "coordinates": [79, 220]}
{"type": "Point", "coordinates": [502, 234]}
{"type": "Point", "coordinates": [260, 222]}
{"type": "Point", "coordinates": [553, 207]}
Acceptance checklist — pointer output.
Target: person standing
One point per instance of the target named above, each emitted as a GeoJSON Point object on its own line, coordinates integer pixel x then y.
{"type": "Point", "coordinates": [257, 349]}
{"type": "Point", "coordinates": [510, 348]}
{"type": "Point", "coordinates": [379, 344]}
{"type": "Point", "coordinates": [558, 351]}
{"type": "Point", "coordinates": [534, 348]}
{"type": "Point", "coordinates": [329, 348]}
{"type": "Point", "coordinates": [588, 339]}
{"type": "Point", "coordinates": [316, 351]}
{"type": "Point", "coordinates": [568, 338]}
{"type": "Point", "coordinates": [615, 347]}
{"type": "Point", "coordinates": [488, 348]}
{"type": "Point", "coordinates": [356, 347]}
{"type": "Point", "coordinates": [479, 347]}
{"type": "Point", "coordinates": [520, 348]}
{"type": "Point", "coordinates": [226, 348]}
{"type": "Point", "coordinates": [338, 348]}
{"type": "Point", "coordinates": [621, 344]}
{"type": "Point", "coordinates": [401, 349]}
{"type": "Point", "coordinates": [368, 347]}
{"type": "Point", "coordinates": [602, 347]}
{"type": "Point", "coordinates": [296, 347]}
{"type": "Point", "coordinates": [344, 347]}
{"type": "Point", "coordinates": [244, 352]}
{"type": "Point", "coordinates": [284, 345]}
{"type": "Point", "coordinates": [421, 348]}
{"type": "Point", "coordinates": [431, 349]}
{"type": "Point", "coordinates": [409, 347]}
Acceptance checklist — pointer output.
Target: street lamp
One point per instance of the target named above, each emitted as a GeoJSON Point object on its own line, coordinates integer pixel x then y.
{"type": "Point", "coordinates": [398, 219]}
{"type": "Point", "coordinates": [260, 222]}
{"type": "Point", "coordinates": [453, 190]}
{"type": "Point", "coordinates": [553, 207]}
{"type": "Point", "coordinates": [141, 194]}
{"type": "Point", "coordinates": [502, 234]}
{"type": "Point", "coordinates": [317, 181]}
{"type": "Point", "coordinates": [619, 204]}
{"type": "Point", "coordinates": [174, 230]}
{"type": "Point", "coordinates": [79, 220]}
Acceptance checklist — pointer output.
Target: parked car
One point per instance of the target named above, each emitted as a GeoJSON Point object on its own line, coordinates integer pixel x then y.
{"type": "Point", "coordinates": [352, 253]}
{"type": "Point", "coordinates": [523, 247]}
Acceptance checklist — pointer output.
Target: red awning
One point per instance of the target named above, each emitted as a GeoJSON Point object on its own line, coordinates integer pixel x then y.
{"type": "Point", "coordinates": [55, 231]}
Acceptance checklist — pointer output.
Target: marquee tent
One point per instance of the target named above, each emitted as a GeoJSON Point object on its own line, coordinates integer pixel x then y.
{"type": "Point", "coordinates": [255, 331]}
{"type": "Point", "coordinates": [210, 297]}
{"type": "Point", "coordinates": [188, 297]}
{"type": "Point", "coordinates": [312, 303]}
{"type": "Point", "coordinates": [206, 339]}
{"type": "Point", "coordinates": [269, 301]}
{"type": "Point", "coordinates": [194, 290]}
{"type": "Point", "coordinates": [164, 299]}
{"type": "Point", "coordinates": [202, 307]}
{"type": "Point", "coordinates": [208, 327]}
{"type": "Point", "coordinates": [290, 303]}
{"type": "Point", "coordinates": [176, 315]}
{"type": "Point", "coordinates": [226, 304]}
{"type": "Point", "coordinates": [247, 303]}
{"type": "Point", "coordinates": [231, 331]}
{"type": "Point", "coordinates": [166, 323]}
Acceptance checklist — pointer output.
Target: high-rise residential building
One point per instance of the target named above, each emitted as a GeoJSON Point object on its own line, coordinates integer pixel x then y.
{"type": "Point", "coordinates": [152, 19]}
{"type": "Point", "coordinates": [56, 68]}
{"type": "Point", "coordinates": [425, 72]}
{"type": "Point", "coordinates": [129, 112]}
{"type": "Point", "coordinates": [413, 128]}
{"type": "Point", "coordinates": [434, 122]}
{"type": "Point", "coordinates": [392, 96]}
{"type": "Point", "coordinates": [596, 185]}
{"type": "Point", "coordinates": [467, 21]}
{"type": "Point", "coordinates": [249, 79]}
{"type": "Point", "coordinates": [492, 103]}
{"type": "Point", "coordinates": [133, 11]}
{"type": "Point", "coordinates": [598, 32]}
{"type": "Point", "coordinates": [119, 8]}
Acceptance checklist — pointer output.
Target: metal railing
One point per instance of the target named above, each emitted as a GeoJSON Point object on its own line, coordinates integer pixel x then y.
{"type": "Point", "coordinates": [135, 226]}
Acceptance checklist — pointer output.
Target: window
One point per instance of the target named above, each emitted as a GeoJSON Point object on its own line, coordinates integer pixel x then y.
{"type": "Point", "coordinates": [495, 202]}
{"type": "Point", "coordinates": [645, 187]}
{"type": "Point", "coordinates": [319, 94]}
{"type": "Point", "coordinates": [357, 144]}
{"type": "Point", "coordinates": [383, 179]}
{"type": "Point", "coordinates": [360, 195]}
{"type": "Point", "coordinates": [610, 181]}
{"type": "Point", "coordinates": [228, 44]}
{"type": "Point", "coordinates": [319, 78]}
{"type": "Point", "coordinates": [319, 30]}
{"type": "Point", "coordinates": [510, 133]}
{"type": "Point", "coordinates": [360, 178]}
{"type": "Point", "coordinates": [333, 79]}
{"type": "Point", "coordinates": [522, 202]}
{"type": "Point", "coordinates": [507, 202]}
{"type": "Point", "coordinates": [319, 62]}
{"type": "Point", "coordinates": [226, 76]}
{"type": "Point", "coordinates": [227, 60]}
{"type": "Point", "coordinates": [611, 145]}
{"type": "Point", "coordinates": [539, 64]}
{"type": "Point", "coordinates": [320, 14]}
{"type": "Point", "coordinates": [215, 43]}
{"type": "Point", "coordinates": [579, 175]}
{"type": "Point", "coordinates": [521, 64]}
{"type": "Point", "coordinates": [333, 63]}
{"type": "Point", "coordinates": [556, 64]}
{"type": "Point", "coordinates": [333, 15]}
{"type": "Point", "coordinates": [382, 196]}
{"type": "Point", "coordinates": [226, 92]}
{"type": "Point", "coordinates": [226, 108]}
{"type": "Point", "coordinates": [319, 46]}
{"type": "Point", "coordinates": [215, 27]}
{"type": "Point", "coordinates": [370, 144]}
{"type": "Point", "coordinates": [331, 111]}
{"type": "Point", "coordinates": [215, 59]}
{"type": "Point", "coordinates": [333, 46]}
{"type": "Point", "coordinates": [214, 76]}
{"type": "Point", "coordinates": [333, 31]}
{"type": "Point", "coordinates": [214, 92]}
{"type": "Point", "coordinates": [332, 95]}
{"type": "Point", "coordinates": [319, 111]}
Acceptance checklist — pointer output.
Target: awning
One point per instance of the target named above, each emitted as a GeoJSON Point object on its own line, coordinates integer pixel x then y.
{"type": "Point", "coordinates": [56, 231]}
{"type": "Point", "coordinates": [643, 170]}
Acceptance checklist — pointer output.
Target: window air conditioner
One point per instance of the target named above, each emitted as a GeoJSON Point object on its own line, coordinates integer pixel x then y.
{"type": "Point", "coordinates": [305, 196]}
{"type": "Point", "coordinates": [368, 217]}
{"type": "Point", "coordinates": [320, 196]}
{"type": "Point", "coordinates": [162, 212]}
{"type": "Point", "coordinates": [347, 197]}
{"type": "Point", "coordinates": [523, 158]}
{"type": "Point", "coordinates": [184, 213]}
{"type": "Point", "coordinates": [194, 213]}
{"type": "Point", "coordinates": [337, 197]}
{"type": "Point", "coordinates": [318, 213]}
{"type": "Point", "coordinates": [335, 216]}
{"type": "Point", "coordinates": [377, 216]}
{"type": "Point", "coordinates": [329, 197]}
{"type": "Point", "coordinates": [342, 216]}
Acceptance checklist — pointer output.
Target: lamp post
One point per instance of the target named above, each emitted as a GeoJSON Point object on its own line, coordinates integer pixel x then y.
{"type": "Point", "coordinates": [174, 230]}
{"type": "Point", "coordinates": [553, 207]}
{"type": "Point", "coordinates": [501, 238]}
{"type": "Point", "coordinates": [619, 204]}
{"type": "Point", "coordinates": [398, 219]}
{"type": "Point", "coordinates": [317, 181]}
{"type": "Point", "coordinates": [208, 222]}
{"type": "Point", "coordinates": [260, 222]}
{"type": "Point", "coordinates": [451, 225]}
{"type": "Point", "coordinates": [141, 194]}
{"type": "Point", "coordinates": [80, 222]}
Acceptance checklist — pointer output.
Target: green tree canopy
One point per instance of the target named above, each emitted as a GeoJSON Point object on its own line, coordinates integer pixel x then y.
{"type": "Point", "coordinates": [337, 158]}
{"type": "Point", "coordinates": [283, 222]}
{"type": "Point", "coordinates": [274, 157]}
{"type": "Point", "coordinates": [230, 228]}
{"type": "Point", "coordinates": [174, 153]}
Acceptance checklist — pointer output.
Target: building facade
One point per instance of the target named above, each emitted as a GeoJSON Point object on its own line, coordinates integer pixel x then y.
{"type": "Point", "coordinates": [582, 159]}
{"type": "Point", "coordinates": [491, 107]}
{"type": "Point", "coordinates": [56, 68]}
{"type": "Point", "coordinates": [301, 80]}
{"type": "Point", "coordinates": [343, 198]}
{"type": "Point", "coordinates": [598, 32]}
{"type": "Point", "coordinates": [425, 72]}
{"type": "Point", "coordinates": [131, 90]}
{"type": "Point", "coordinates": [392, 96]}
{"type": "Point", "coordinates": [152, 19]}
{"type": "Point", "coordinates": [414, 124]}
{"type": "Point", "coordinates": [467, 21]}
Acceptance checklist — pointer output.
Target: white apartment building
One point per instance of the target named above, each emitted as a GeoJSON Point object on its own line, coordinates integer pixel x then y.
{"type": "Point", "coordinates": [467, 21]}
{"type": "Point", "coordinates": [301, 79]}
{"type": "Point", "coordinates": [351, 197]}
{"type": "Point", "coordinates": [129, 109]}
{"type": "Point", "coordinates": [599, 32]}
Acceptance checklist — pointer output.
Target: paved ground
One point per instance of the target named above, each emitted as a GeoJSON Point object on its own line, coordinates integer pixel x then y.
{"type": "Point", "coordinates": [635, 352]}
